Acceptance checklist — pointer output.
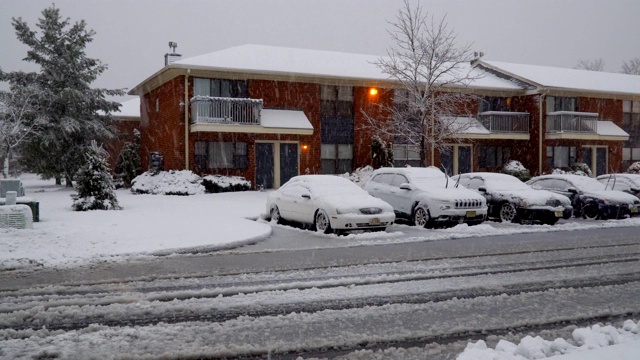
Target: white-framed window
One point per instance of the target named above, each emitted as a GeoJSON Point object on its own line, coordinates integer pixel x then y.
{"type": "Point", "coordinates": [220, 155]}
{"type": "Point", "coordinates": [406, 154]}
{"type": "Point", "coordinates": [336, 158]}
{"type": "Point", "coordinates": [561, 156]}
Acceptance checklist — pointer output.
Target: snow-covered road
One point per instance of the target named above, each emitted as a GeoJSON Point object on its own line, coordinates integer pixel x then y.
{"type": "Point", "coordinates": [347, 307]}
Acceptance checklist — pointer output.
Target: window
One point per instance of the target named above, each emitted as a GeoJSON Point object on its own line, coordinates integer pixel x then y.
{"type": "Point", "coordinates": [493, 156]}
{"type": "Point", "coordinates": [631, 124]}
{"type": "Point", "coordinates": [595, 157]}
{"type": "Point", "coordinates": [557, 103]}
{"type": "Point", "coordinates": [220, 88]}
{"type": "Point", "coordinates": [336, 128]}
{"type": "Point", "coordinates": [405, 154]}
{"type": "Point", "coordinates": [561, 156]}
{"type": "Point", "coordinates": [456, 159]}
{"type": "Point", "coordinates": [492, 103]}
{"type": "Point", "coordinates": [220, 155]}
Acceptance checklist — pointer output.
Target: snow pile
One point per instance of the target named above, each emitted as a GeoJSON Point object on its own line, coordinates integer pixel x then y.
{"type": "Point", "coordinates": [529, 348]}
{"type": "Point", "coordinates": [634, 168]}
{"type": "Point", "coordinates": [360, 175]}
{"type": "Point", "coordinates": [581, 169]}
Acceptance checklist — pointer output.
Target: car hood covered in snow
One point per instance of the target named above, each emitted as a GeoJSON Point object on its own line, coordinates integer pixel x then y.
{"type": "Point", "coordinates": [532, 197]}
{"type": "Point", "coordinates": [615, 196]}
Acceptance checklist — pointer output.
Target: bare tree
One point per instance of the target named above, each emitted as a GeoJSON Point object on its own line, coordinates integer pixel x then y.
{"type": "Point", "coordinates": [19, 119]}
{"type": "Point", "coordinates": [592, 65]}
{"type": "Point", "coordinates": [432, 73]}
{"type": "Point", "coordinates": [632, 67]}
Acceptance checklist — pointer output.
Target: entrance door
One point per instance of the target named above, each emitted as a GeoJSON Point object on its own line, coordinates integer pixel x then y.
{"type": "Point", "coordinates": [265, 174]}
{"type": "Point", "coordinates": [288, 161]}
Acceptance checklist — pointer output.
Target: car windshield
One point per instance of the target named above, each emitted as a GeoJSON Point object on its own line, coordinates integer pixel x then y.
{"type": "Point", "coordinates": [586, 183]}
{"type": "Point", "coordinates": [505, 183]}
{"type": "Point", "coordinates": [428, 183]}
{"type": "Point", "coordinates": [335, 189]}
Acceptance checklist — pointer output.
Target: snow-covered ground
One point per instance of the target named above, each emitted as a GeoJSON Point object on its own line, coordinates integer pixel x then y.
{"type": "Point", "coordinates": [152, 225]}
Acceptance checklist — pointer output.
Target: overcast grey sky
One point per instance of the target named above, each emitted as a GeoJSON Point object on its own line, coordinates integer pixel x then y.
{"type": "Point", "coordinates": [132, 35]}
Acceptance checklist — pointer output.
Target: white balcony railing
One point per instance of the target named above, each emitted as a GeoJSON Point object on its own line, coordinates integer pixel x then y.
{"type": "Point", "coordinates": [505, 121]}
{"type": "Point", "coordinates": [217, 110]}
{"type": "Point", "coordinates": [572, 122]}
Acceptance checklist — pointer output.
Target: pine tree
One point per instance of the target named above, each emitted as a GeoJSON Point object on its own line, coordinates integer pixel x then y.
{"type": "Point", "coordinates": [129, 165]}
{"type": "Point", "coordinates": [70, 107]}
{"type": "Point", "coordinates": [94, 183]}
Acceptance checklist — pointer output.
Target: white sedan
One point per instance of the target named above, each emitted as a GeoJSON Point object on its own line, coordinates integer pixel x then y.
{"type": "Point", "coordinates": [328, 203]}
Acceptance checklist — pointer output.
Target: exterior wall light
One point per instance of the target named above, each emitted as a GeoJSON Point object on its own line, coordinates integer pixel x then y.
{"type": "Point", "coordinates": [373, 91]}
{"type": "Point", "coordinates": [305, 147]}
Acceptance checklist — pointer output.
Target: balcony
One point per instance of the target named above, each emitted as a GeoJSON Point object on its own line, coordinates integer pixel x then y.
{"type": "Point", "coordinates": [572, 122]}
{"type": "Point", "coordinates": [226, 111]}
{"type": "Point", "coordinates": [505, 121]}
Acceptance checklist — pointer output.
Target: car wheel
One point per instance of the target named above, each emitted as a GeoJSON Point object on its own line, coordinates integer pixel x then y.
{"type": "Point", "coordinates": [590, 211]}
{"type": "Point", "coordinates": [421, 216]}
{"type": "Point", "coordinates": [322, 223]}
{"type": "Point", "coordinates": [275, 215]}
{"type": "Point", "coordinates": [508, 212]}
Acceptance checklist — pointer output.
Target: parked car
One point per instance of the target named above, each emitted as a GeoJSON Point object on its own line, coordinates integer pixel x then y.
{"type": "Point", "coordinates": [589, 198]}
{"type": "Point", "coordinates": [511, 200]}
{"type": "Point", "coordinates": [328, 203]}
{"type": "Point", "coordinates": [426, 196]}
{"type": "Point", "coordinates": [629, 183]}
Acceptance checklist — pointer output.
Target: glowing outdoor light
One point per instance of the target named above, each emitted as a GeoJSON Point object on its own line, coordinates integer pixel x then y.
{"type": "Point", "coordinates": [305, 147]}
{"type": "Point", "coordinates": [373, 91]}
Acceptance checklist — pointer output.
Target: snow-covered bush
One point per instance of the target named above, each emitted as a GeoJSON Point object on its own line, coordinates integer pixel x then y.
{"type": "Point", "coordinates": [93, 183]}
{"type": "Point", "coordinates": [218, 183]}
{"type": "Point", "coordinates": [515, 168]}
{"type": "Point", "coordinates": [381, 152]}
{"type": "Point", "coordinates": [186, 182]}
{"type": "Point", "coordinates": [575, 169]}
{"type": "Point", "coordinates": [173, 182]}
{"type": "Point", "coordinates": [634, 168]}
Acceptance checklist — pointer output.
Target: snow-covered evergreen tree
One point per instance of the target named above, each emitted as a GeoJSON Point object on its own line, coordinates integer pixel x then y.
{"type": "Point", "coordinates": [71, 108]}
{"type": "Point", "coordinates": [129, 165]}
{"type": "Point", "coordinates": [94, 184]}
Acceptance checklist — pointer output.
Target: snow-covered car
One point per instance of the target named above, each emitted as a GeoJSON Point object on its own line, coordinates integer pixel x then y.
{"type": "Point", "coordinates": [629, 183]}
{"type": "Point", "coordinates": [426, 196]}
{"type": "Point", "coordinates": [328, 203]}
{"type": "Point", "coordinates": [589, 198]}
{"type": "Point", "coordinates": [511, 200]}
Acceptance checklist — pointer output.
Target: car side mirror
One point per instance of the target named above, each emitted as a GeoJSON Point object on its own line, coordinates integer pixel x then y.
{"type": "Point", "coordinates": [635, 190]}
{"type": "Point", "coordinates": [572, 190]}
{"type": "Point", "coordinates": [405, 186]}
{"type": "Point", "coordinates": [306, 196]}
{"type": "Point", "coordinates": [482, 189]}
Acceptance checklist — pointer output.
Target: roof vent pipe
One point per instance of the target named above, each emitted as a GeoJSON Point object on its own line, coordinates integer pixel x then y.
{"type": "Point", "coordinates": [170, 58]}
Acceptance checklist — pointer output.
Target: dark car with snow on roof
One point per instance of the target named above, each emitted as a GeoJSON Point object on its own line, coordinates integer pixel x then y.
{"type": "Point", "coordinates": [589, 198]}
{"type": "Point", "coordinates": [629, 183]}
{"type": "Point", "coordinates": [511, 200]}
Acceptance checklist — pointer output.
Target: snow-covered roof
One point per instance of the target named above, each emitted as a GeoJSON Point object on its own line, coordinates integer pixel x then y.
{"type": "Point", "coordinates": [129, 108]}
{"type": "Point", "coordinates": [284, 119]}
{"type": "Point", "coordinates": [466, 125]}
{"type": "Point", "coordinates": [317, 63]}
{"type": "Point", "coordinates": [608, 128]}
{"type": "Point", "coordinates": [570, 79]}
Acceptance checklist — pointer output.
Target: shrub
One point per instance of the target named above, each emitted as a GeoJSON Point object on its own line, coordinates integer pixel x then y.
{"type": "Point", "coordinates": [634, 168]}
{"type": "Point", "coordinates": [576, 169]}
{"type": "Point", "coordinates": [128, 165]}
{"type": "Point", "coordinates": [515, 168]}
{"type": "Point", "coordinates": [218, 183]}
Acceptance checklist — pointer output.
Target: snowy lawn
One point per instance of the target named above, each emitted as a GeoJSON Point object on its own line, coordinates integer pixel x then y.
{"type": "Point", "coordinates": [148, 224]}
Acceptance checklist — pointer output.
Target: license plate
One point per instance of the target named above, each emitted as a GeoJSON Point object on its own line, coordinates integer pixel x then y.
{"type": "Point", "coordinates": [634, 209]}
{"type": "Point", "coordinates": [471, 214]}
{"type": "Point", "coordinates": [558, 213]}
{"type": "Point", "coordinates": [374, 221]}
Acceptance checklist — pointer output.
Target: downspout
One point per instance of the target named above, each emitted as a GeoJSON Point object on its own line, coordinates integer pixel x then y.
{"type": "Point", "coordinates": [540, 135]}
{"type": "Point", "coordinates": [186, 119]}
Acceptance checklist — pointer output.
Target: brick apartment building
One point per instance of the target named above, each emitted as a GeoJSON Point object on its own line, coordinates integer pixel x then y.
{"type": "Point", "coordinates": [270, 113]}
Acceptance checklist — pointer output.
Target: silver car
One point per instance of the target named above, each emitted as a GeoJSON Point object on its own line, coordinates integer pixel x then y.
{"type": "Point", "coordinates": [426, 197]}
